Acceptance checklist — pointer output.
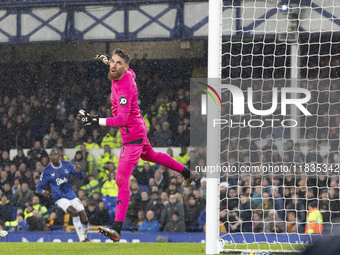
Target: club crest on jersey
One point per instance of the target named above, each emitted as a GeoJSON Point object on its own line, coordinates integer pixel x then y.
{"type": "Point", "coordinates": [123, 101]}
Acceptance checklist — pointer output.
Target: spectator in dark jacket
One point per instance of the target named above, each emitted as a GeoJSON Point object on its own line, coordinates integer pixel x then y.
{"type": "Point", "coordinates": [143, 175]}
{"type": "Point", "coordinates": [5, 209]}
{"type": "Point", "coordinates": [244, 223]}
{"type": "Point", "coordinates": [23, 196]}
{"type": "Point", "coordinates": [36, 222]}
{"type": "Point", "coordinates": [182, 137]}
{"type": "Point", "coordinates": [170, 208]}
{"type": "Point", "coordinates": [155, 205]}
{"type": "Point", "coordinates": [144, 201]}
{"type": "Point", "coordinates": [36, 154]}
{"type": "Point", "coordinates": [192, 212]}
{"type": "Point", "coordinates": [163, 138]}
{"type": "Point", "coordinates": [93, 213]}
{"type": "Point", "coordinates": [175, 224]}
{"type": "Point", "coordinates": [6, 190]}
{"type": "Point", "coordinates": [20, 158]}
{"type": "Point", "coordinates": [103, 214]}
{"type": "Point", "coordinates": [4, 159]}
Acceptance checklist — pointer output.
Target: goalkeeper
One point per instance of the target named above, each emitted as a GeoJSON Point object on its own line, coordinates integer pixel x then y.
{"type": "Point", "coordinates": [135, 145]}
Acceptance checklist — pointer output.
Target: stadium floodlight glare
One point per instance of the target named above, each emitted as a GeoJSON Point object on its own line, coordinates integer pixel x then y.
{"type": "Point", "coordinates": [287, 6]}
{"type": "Point", "coordinates": [284, 7]}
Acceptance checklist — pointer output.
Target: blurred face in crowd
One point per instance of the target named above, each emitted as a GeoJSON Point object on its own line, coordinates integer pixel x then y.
{"type": "Point", "coordinates": [291, 217]}
{"type": "Point", "coordinates": [154, 196]}
{"type": "Point", "coordinates": [118, 67]}
{"type": "Point", "coordinates": [3, 175]}
{"type": "Point", "coordinates": [164, 197]}
{"type": "Point", "coordinates": [3, 199]}
{"type": "Point", "coordinates": [134, 185]}
{"type": "Point", "coordinates": [256, 217]}
{"type": "Point", "coordinates": [35, 200]}
{"type": "Point", "coordinates": [5, 155]}
{"type": "Point", "coordinates": [44, 160]}
{"type": "Point", "coordinates": [174, 217]}
{"type": "Point", "coordinates": [151, 182]}
{"type": "Point", "coordinates": [150, 215]}
{"type": "Point", "coordinates": [147, 166]}
{"type": "Point", "coordinates": [192, 201]}
{"type": "Point", "coordinates": [81, 193]}
{"type": "Point", "coordinates": [179, 178]}
{"type": "Point", "coordinates": [95, 196]}
{"type": "Point", "coordinates": [106, 149]}
{"type": "Point", "coordinates": [101, 205]}
{"type": "Point", "coordinates": [140, 215]}
{"type": "Point", "coordinates": [24, 187]}
{"type": "Point", "coordinates": [232, 193]}
{"type": "Point", "coordinates": [6, 187]}
{"type": "Point", "coordinates": [154, 189]}
{"type": "Point", "coordinates": [20, 153]}
{"type": "Point", "coordinates": [37, 145]}
{"type": "Point", "coordinates": [144, 196]}
{"type": "Point", "coordinates": [112, 176]}
{"type": "Point", "coordinates": [39, 166]}
{"type": "Point", "coordinates": [92, 207]}
{"type": "Point", "coordinates": [158, 175]}
{"type": "Point", "coordinates": [172, 199]}
{"type": "Point", "coordinates": [243, 199]}
{"type": "Point", "coordinates": [169, 152]}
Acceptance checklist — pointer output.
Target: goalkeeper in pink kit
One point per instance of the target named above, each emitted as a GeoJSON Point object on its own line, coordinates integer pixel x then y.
{"type": "Point", "coordinates": [135, 144]}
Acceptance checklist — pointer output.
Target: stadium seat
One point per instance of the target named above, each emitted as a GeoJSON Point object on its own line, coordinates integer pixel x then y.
{"type": "Point", "coordinates": [110, 204]}
{"type": "Point", "coordinates": [66, 219]}
{"type": "Point", "coordinates": [144, 187]}
{"type": "Point", "coordinates": [14, 212]}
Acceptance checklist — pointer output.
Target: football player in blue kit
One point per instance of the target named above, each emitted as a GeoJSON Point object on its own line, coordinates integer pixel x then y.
{"type": "Point", "coordinates": [57, 175]}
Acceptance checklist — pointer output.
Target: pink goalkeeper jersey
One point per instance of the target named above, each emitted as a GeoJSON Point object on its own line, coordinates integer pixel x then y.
{"type": "Point", "coordinates": [125, 111]}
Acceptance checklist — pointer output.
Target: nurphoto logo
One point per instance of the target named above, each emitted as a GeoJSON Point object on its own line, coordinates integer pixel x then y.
{"type": "Point", "coordinates": [239, 105]}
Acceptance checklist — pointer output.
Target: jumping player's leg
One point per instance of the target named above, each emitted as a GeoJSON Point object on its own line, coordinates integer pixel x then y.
{"type": "Point", "coordinates": [163, 159]}
{"type": "Point", "coordinates": [76, 203]}
{"type": "Point", "coordinates": [160, 158]}
{"type": "Point", "coordinates": [73, 207]}
{"type": "Point", "coordinates": [84, 223]}
{"type": "Point", "coordinates": [128, 158]}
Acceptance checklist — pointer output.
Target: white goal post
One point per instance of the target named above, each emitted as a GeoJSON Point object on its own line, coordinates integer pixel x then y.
{"type": "Point", "coordinates": [276, 66]}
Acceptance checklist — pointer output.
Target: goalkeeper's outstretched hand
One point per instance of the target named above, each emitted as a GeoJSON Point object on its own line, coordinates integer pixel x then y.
{"type": "Point", "coordinates": [85, 118]}
{"type": "Point", "coordinates": [104, 58]}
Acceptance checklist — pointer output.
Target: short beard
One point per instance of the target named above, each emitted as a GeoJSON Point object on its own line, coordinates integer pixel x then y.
{"type": "Point", "coordinates": [110, 76]}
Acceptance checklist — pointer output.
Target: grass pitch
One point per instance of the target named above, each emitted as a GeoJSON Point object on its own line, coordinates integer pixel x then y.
{"type": "Point", "coordinates": [131, 248]}
{"type": "Point", "coordinates": [277, 247]}
{"type": "Point", "coordinates": [127, 248]}
{"type": "Point", "coordinates": [101, 248]}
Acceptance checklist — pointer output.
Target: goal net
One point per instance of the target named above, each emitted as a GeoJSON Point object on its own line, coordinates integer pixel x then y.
{"type": "Point", "coordinates": [278, 127]}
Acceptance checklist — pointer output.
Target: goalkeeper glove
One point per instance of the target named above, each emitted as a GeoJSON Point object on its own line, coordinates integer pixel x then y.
{"type": "Point", "coordinates": [85, 118]}
{"type": "Point", "coordinates": [104, 58]}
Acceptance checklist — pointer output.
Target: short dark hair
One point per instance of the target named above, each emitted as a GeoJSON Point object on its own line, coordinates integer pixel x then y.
{"type": "Point", "coordinates": [191, 196]}
{"type": "Point", "coordinates": [121, 53]}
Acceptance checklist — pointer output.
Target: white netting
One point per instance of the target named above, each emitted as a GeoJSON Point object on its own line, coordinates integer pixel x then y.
{"type": "Point", "coordinates": [281, 44]}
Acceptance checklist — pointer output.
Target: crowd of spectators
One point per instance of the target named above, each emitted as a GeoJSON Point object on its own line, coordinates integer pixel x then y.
{"type": "Point", "coordinates": [42, 115]}
{"type": "Point", "coordinates": [279, 203]}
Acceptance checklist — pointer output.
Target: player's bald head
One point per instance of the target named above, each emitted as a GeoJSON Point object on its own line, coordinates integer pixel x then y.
{"type": "Point", "coordinates": [54, 152]}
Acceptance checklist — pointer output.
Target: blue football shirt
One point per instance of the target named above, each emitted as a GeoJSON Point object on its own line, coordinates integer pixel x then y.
{"type": "Point", "coordinates": [59, 180]}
